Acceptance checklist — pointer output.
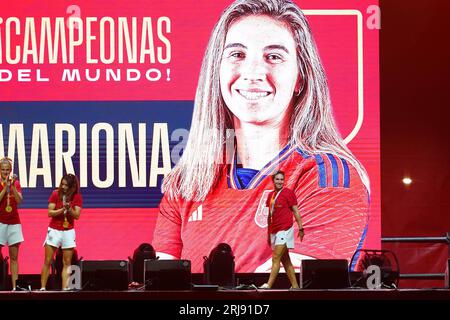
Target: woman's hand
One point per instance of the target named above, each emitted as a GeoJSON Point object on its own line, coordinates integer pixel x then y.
{"type": "Point", "coordinates": [67, 206]}
{"type": "Point", "coordinates": [301, 233]}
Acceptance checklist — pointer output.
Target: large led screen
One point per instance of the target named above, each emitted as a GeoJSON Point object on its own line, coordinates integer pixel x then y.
{"type": "Point", "coordinates": [115, 93]}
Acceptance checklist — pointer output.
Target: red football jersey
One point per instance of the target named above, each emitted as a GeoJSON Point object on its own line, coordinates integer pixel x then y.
{"type": "Point", "coordinates": [13, 216]}
{"type": "Point", "coordinates": [282, 216]}
{"type": "Point", "coordinates": [332, 200]}
{"type": "Point", "coordinates": [58, 221]}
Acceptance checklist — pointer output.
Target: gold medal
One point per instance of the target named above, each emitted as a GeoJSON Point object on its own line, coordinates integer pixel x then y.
{"type": "Point", "coordinates": [65, 223]}
{"type": "Point", "coordinates": [8, 207]}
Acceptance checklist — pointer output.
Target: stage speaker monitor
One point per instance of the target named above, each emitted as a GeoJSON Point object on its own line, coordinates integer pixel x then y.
{"type": "Point", "coordinates": [104, 275]}
{"type": "Point", "coordinates": [3, 272]}
{"type": "Point", "coordinates": [324, 274]}
{"type": "Point", "coordinates": [167, 274]}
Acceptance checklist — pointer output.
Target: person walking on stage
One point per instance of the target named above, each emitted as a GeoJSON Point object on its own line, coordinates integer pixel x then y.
{"type": "Point", "coordinates": [64, 207]}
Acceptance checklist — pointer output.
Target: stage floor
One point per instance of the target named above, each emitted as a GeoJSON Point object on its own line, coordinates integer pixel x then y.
{"type": "Point", "coordinates": [232, 304]}
{"type": "Point", "coordinates": [248, 295]}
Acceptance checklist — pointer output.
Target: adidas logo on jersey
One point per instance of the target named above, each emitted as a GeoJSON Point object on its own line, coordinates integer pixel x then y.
{"type": "Point", "coordinates": [196, 215]}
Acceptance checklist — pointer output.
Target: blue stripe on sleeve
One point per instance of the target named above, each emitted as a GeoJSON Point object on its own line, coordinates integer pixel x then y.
{"type": "Point", "coordinates": [346, 174]}
{"type": "Point", "coordinates": [334, 169]}
{"type": "Point", "coordinates": [360, 245]}
{"type": "Point", "coordinates": [322, 173]}
{"type": "Point", "coordinates": [302, 153]}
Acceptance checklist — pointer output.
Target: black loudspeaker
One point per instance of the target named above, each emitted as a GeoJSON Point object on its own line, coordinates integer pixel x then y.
{"type": "Point", "coordinates": [324, 274]}
{"type": "Point", "coordinates": [219, 267]}
{"type": "Point", "coordinates": [167, 274]}
{"type": "Point", "coordinates": [143, 252]}
{"type": "Point", "coordinates": [3, 272]}
{"type": "Point", "coordinates": [104, 275]}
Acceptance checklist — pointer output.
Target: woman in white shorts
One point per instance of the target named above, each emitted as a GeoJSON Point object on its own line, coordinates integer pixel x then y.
{"type": "Point", "coordinates": [282, 205]}
{"type": "Point", "coordinates": [10, 227]}
{"type": "Point", "coordinates": [64, 207]}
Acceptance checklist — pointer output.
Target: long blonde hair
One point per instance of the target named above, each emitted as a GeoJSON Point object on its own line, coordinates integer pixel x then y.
{"type": "Point", "coordinates": [312, 126]}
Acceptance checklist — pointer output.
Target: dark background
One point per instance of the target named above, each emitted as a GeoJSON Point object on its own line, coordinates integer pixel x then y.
{"type": "Point", "coordinates": [415, 131]}
{"type": "Point", "coordinates": [415, 117]}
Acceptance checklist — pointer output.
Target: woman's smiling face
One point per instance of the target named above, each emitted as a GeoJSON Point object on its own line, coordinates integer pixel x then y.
{"type": "Point", "coordinates": [5, 169]}
{"type": "Point", "coordinates": [258, 71]}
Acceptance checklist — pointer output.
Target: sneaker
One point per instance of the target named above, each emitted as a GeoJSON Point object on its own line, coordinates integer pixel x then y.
{"type": "Point", "coordinates": [246, 287]}
{"type": "Point", "coordinates": [42, 289]}
{"type": "Point", "coordinates": [19, 288]}
{"type": "Point", "coordinates": [14, 289]}
{"type": "Point", "coordinates": [264, 286]}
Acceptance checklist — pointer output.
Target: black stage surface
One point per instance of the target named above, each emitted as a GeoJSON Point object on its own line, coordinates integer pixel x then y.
{"type": "Point", "coordinates": [248, 295]}
{"type": "Point", "coordinates": [232, 304]}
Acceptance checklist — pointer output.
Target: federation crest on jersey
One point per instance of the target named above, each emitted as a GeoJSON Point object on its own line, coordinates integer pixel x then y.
{"type": "Point", "coordinates": [262, 211]}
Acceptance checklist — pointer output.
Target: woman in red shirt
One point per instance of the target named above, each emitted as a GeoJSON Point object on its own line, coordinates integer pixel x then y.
{"type": "Point", "coordinates": [64, 207]}
{"type": "Point", "coordinates": [10, 227]}
{"type": "Point", "coordinates": [282, 203]}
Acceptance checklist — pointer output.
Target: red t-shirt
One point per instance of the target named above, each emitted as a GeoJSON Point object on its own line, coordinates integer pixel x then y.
{"type": "Point", "coordinates": [57, 222]}
{"type": "Point", "coordinates": [282, 213]}
{"type": "Point", "coordinates": [13, 216]}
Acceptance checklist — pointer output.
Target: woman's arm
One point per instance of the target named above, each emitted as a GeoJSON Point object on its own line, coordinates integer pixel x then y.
{"type": "Point", "coordinates": [167, 234]}
{"type": "Point", "coordinates": [298, 218]}
{"type": "Point", "coordinates": [3, 192]}
{"type": "Point", "coordinates": [334, 215]}
{"type": "Point", "coordinates": [269, 219]}
{"type": "Point", "coordinates": [17, 195]}
{"type": "Point", "coordinates": [74, 212]}
{"type": "Point", "coordinates": [52, 212]}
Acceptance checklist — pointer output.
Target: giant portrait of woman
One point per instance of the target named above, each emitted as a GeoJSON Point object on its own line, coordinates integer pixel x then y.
{"type": "Point", "coordinates": [262, 104]}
